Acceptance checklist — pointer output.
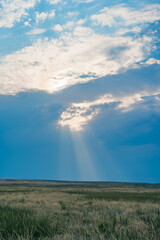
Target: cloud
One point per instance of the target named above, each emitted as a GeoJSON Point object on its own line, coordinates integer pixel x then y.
{"type": "Point", "coordinates": [36, 31]}
{"type": "Point", "coordinates": [77, 116]}
{"type": "Point", "coordinates": [72, 14]}
{"type": "Point", "coordinates": [123, 31]}
{"type": "Point", "coordinates": [151, 61]}
{"type": "Point", "coordinates": [120, 14]}
{"type": "Point", "coordinates": [68, 26]}
{"type": "Point", "coordinates": [51, 14]}
{"type": "Point", "coordinates": [27, 23]}
{"type": "Point", "coordinates": [81, 21]}
{"type": "Point", "coordinates": [44, 15]}
{"type": "Point", "coordinates": [13, 11]}
{"type": "Point", "coordinates": [58, 28]}
{"type": "Point", "coordinates": [54, 1]}
{"type": "Point", "coordinates": [84, 1]}
{"type": "Point", "coordinates": [41, 16]}
{"type": "Point", "coordinates": [53, 65]}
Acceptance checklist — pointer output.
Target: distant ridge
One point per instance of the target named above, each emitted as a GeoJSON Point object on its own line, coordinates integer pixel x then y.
{"type": "Point", "coordinates": [76, 184]}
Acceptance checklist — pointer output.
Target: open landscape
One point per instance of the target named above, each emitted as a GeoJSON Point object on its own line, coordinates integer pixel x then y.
{"type": "Point", "coordinates": [79, 120]}
{"type": "Point", "coordinates": [79, 210]}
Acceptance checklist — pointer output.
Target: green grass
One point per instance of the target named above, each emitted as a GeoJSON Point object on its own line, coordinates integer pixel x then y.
{"type": "Point", "coordinates": [80, 211]}
{"type": "Point", "coordinates": [22, 222]}
{"type": "Point", "coordinates": [121, 196]}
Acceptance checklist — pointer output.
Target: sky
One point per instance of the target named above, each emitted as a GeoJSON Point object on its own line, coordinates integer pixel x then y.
{"type": "Point", "coordinates": [80, 90]}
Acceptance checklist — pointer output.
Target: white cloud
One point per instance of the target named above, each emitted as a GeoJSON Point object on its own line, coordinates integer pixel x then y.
{"type": "Point", "coordinates": [61, 63]}
{"type": "Point", "coordinates": [84, 1]}
{"type": "Point", "coordinates": [54, 1]}
{"type": "Point", "coordinates": [58, 28]}
{"type": "Point", "coordinates": [68, 26]}
{"type": "Point", "coordinates": [36, 31]}
{"type": "Point", "coordinates": [41, 16]}
{"type": "Point", "coordinates": [44, 15]}
{"type": "Point", "coordinates": [13, 11]}
{"type": "Point", "coordinates": [51, 14]}
{"type": "Point", "coordinates": [52, 65]}
{"type": "Point", "coordinates": [81, 21]}
{"type": "Point", "coordinates": [72, 14]}
{"type": "Point", "coordinates": [77, 116]}
{"type": "Point", "coordinates": [151, 61]}
{"type": "Point", "coordinates": [127, 16]}
{"type": "Point", "coordinates": [27, 23]}
{"type": "Point", "coordinates": [123, 31]}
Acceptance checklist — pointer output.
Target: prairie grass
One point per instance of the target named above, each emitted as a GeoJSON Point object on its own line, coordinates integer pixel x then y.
{"type": "Point", "coordinates": [79, 211]}
{"type": "Point", "coordinates": [22, 223]}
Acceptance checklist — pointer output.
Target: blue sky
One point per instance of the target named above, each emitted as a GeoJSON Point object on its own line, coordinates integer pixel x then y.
{"type": "Point", "coordinates": [80, 90]}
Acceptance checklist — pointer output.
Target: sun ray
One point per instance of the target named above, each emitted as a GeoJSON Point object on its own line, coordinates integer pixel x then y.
{"type": "Point", "coordinates": [84, 157]}
{"type": "Point", "coordinates": [67, 169]}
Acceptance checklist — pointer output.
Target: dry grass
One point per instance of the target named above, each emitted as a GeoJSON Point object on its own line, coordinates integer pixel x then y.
{"type": "Point", "coordinates": [68, 211]}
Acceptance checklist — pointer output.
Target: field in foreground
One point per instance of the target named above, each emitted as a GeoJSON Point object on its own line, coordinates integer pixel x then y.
{"type": "Point", "coordinates": [76, 211]}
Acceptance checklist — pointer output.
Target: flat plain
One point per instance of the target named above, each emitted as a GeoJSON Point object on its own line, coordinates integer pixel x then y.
{"type": "Point", "coordinates": [79, 210]}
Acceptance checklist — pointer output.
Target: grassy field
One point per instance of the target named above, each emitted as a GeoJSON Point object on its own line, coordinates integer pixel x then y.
{"type": "Point", "coordinates": [76, 211]}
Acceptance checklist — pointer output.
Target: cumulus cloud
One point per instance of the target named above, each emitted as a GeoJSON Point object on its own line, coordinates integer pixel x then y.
{"type": "Point", "coordinates": [127, 16]}
{"type": "Point", "coordinates": [27, 23]}
{"type": "Point", "coordinates": [77, 116]}
{"type": "Point", "coordinates": [81, 21]}
{"type": "Point", "coordinates": [58, 28]}
{"type": "Point", "coordinates": [51, 14]}
{"type": "Point", "coordinates": [52, 65]}
{"type": "Point", "coordinates": [43, 15]}
{"type": "Point", "coordinates": [13, 11]}
{"type": "Point", "coordinates": [68, 26]}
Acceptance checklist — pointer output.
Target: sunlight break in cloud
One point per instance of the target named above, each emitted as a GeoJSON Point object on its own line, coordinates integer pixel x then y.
{"type": "Point", "coordinates": [52, 65]}
{"type": "Point", "coordinates": [77, 116]}
{"type": "Point", "coordinates": [12, 11]}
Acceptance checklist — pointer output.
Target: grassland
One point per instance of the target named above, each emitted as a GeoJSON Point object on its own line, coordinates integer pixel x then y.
{"type": "Point", "coordinates": [79, 211]}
